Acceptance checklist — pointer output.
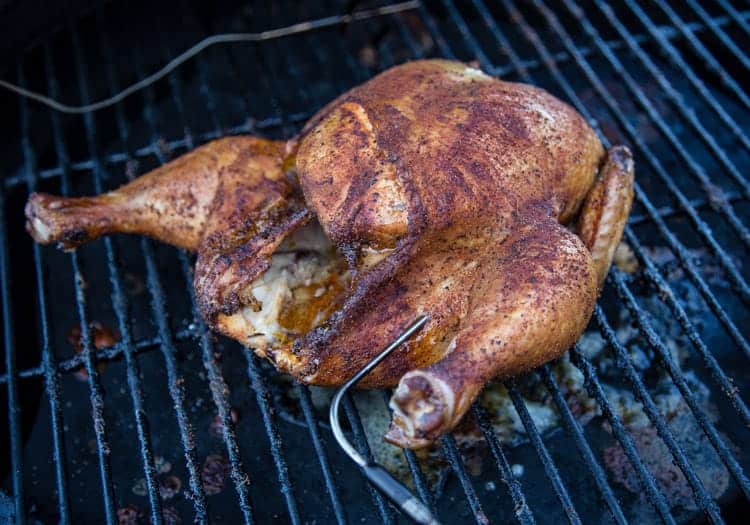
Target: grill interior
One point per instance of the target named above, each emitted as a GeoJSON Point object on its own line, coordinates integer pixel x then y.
{"type": "Point", "coordinates": [95, 434]}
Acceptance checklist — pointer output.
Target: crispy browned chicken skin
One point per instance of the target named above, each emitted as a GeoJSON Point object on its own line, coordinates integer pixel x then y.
{"type": "Point", "coordinates": [439, 191]}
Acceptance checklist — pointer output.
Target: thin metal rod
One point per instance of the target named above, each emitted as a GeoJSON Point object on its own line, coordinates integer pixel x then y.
{"type": "Point", "coordinates": [338, 433]}
{"type": "Point", "coordinates": [121, 308]}
{"type": "Point", "coordinates": [165, 341]}
{"type": "Point", "coordinates": [310, 418]}
{"type": "Point", "coordinates": [96, 392]}
{"type": "Point", "coordinates": [667, 295]}
{"type": "Point", "coordinates": [709, 61]}
{"type": "Point", "coordinates": [719, 33]}
{"type": "Point", "coordinates": [595, 390]}
{"type": "Point", "coordinates": [678, 101]}
{"type": "Point", "coordinates": [197, 48]}
{"type": "Point", "coordinates": [49, 367]}
{"type": "Point", "coordinates": [520, 505]}
{"type": "Point", "coordinates": [398, 494]}
{"type": "Point", "coordinates": [701, 495]}
{"type": "Point", "coordinates": [655, 342]}
{"type": "Point", "coordinates": [641, 196]}
{"type": "Point", "coordinates": [587, 455]}
{"type": "Point", "coordinates": [652, 491]}
{"type": "Point", "coordinates": [263, 400]}
{"type": "Point", "coordinates": [735, 16]}
{"type": "Point", "coordinates": [217, 385]}
{"type": "Point", "coordinates": [541, 449]}
{"type": "Point", "coordinates": [14, 403]}
{"type": "Point", "coordinates": [308, 411]}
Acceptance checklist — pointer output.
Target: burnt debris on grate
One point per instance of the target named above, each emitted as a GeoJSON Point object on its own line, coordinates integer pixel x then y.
{"type": "Point", "coordinates": [646, 419]}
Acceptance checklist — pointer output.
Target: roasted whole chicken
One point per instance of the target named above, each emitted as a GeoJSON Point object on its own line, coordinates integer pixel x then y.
{"type": "Point", "coordinates": [433, 189]}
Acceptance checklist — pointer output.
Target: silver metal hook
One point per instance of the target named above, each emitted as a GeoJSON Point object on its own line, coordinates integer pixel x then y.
{"type": "Point", "coordinates": [378, 476]}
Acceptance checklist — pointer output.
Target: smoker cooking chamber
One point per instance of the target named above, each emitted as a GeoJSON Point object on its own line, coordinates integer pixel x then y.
{"type": "Point", "coordinates": [667, 80]}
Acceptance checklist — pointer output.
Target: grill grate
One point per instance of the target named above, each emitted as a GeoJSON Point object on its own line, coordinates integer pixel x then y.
{"type": "Point", "coordinates": [653, 75]}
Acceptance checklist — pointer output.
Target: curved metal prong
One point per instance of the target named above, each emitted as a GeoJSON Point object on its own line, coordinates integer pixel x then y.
{"type": "Point", "coordinates": [406, 501]}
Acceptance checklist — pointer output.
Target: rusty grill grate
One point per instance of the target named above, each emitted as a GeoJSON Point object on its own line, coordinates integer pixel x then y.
{"type": "Point", "coordinates": [669, 80]}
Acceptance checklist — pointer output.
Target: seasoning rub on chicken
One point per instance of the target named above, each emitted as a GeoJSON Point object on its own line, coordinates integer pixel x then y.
{"type": "Point", "coordinates": [430, 189]}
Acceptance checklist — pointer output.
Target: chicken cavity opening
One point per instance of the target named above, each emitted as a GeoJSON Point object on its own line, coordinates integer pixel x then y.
{"type": "Point", "coordinates": [304, 285]}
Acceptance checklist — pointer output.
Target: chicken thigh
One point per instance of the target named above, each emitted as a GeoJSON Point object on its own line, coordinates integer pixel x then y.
{"type": "Point", "coordinates": [430, 189]}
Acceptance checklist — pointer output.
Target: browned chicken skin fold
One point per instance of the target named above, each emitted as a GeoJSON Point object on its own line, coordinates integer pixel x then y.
{"type": "Point", "coordinates": [430, 189]}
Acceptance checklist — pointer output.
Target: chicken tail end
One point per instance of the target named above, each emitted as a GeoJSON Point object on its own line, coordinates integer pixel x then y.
{"type": "Point", "coordinates": [606, 208]}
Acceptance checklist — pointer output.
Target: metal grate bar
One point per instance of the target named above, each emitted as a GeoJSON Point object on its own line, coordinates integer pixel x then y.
{"type": "Point", "coordinates": [675, 57]}
{"type": "Point", "coordinates": [697, 84]}
{"type": "Point", "coordinates": [703, 229]}
{"type": "Point", "coordinates": [594, 388]}
{"type": "Point", "coordinates": [147, 151]}
{"type": "Point", "coordinates": [453, 456]}
{"type": "Point", "coordinates": [263, 398]}
{"type": "Point", "coordinates": [219, 393]}
{"type": "Point", "coordinates": [256, 379]}
{"type": "Point", "coordinates": [674, 96]}
{"type": "Point", "coordinates": [360, 442]}
{"type": "Point", "coordinates": [419, 481]}
{"type": "Point", "coordinates": [49, 365]}
{"type": "Point", "coordinates": [165, 340]}
{"type": "Point", "coordinates": [576, 431]}
{"type": "Point", "coordinates": [686, 262]}
{"type": "Point", "coordinates": [707, 502]}
{"type": "Point", "coordinates": [709, 60]}
{"type": "Point", "coordinates": [719, 33]}
{"type": "Point", "coordinates": [109, 353]}
{"type": "Point", "coordinates": [561, 32]}
{"type": "Point", "coordinates": [559, 57]}
{"type": "Point", "coordinates": [675, 245]}
{"type": "Point", "coordinates": [120, 306]}
{"type": "Point", "coordinates": [308, 410]}
{"type": "Point", "coordinates": [666, 233]}
{"type": "Point", "coordinates": [667, 295]}
{"type": "Point", "coordinates": [547, 462]}
{"type": "Point", "coordinates": [464, 30]}
{"type": "Point", "coordinates": [448, 443]}
{"type": "Point", "coordinates": [96, 393]}
{"type": "Point", "coordinates": [523, 513]}
{"type": "Point", "coordinates": [654, 275]}
{"type": "Point", "coordinates": [734, 15]}
{"type": "Point", "coordinates": [688, 113]}
{"type": "Point", "coordinates": [541, 449]}
{"type": "Point", "coordinates": [674, 372]}
{"type": "Point", "coordinates": [702, 498]}
{"type": "Point", "coordinates": [656, 419]}
{"type": "Point", "coordinates": [521, 508]}
{"type": "Point", "coordinates": [217, 385]}
{"type": "Point", "coordinates": [304, 392]}
{"type": "Point", "coordinates": [14, 407]}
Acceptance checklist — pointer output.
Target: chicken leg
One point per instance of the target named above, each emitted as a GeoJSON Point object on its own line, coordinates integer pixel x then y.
{"type": "Point", "coordinates": [178, 203]}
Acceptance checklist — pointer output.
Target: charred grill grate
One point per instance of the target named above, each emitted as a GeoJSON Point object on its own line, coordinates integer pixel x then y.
{"type": "Point", "coordinates": [668, 80]}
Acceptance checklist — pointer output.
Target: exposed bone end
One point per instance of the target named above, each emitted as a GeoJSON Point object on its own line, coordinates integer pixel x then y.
{"type": "Point", "coordinates": [423, 408]}
{"type": "Point", "coordinates": [59, 219]}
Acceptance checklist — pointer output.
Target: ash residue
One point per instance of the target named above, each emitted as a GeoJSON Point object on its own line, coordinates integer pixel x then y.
{"type": "Point", "coordinates": [214, 474]}
{"type": "Point", "coordinates": [658, 460]}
